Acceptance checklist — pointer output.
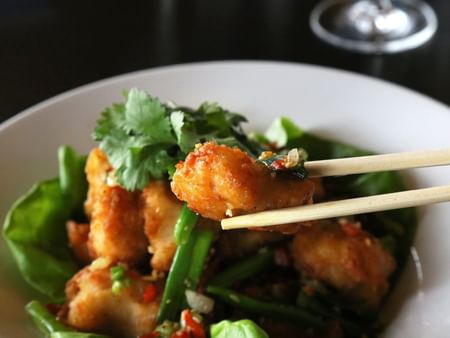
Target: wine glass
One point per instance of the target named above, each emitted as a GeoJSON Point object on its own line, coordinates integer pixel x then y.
{"type": "Point", "coordinates": [374, 26]}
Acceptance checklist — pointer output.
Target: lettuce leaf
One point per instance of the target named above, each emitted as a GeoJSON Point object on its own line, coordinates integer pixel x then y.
{"type": "Point", "coordinates": [244, 328]}
{"type": "Point", "coordinates": [35, 230]}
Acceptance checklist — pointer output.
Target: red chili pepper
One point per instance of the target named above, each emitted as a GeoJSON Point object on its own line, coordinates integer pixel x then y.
{"type": "Point", "coordinates": [149, 293]}
{"type": "Point", "coordinates": [180, 334]}
{"type": "Point", "coordinates": [278, 164]}
{"type": "Point", "coordinates": [194, 327]}
{"type": "Point", "coordinates": [350, 229]}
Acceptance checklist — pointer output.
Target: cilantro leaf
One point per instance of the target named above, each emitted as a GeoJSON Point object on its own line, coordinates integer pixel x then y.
{"type": "Point", "coordinates": [144, 138]}
{"type": "Point", "coordinates": [147, 116]}
{"type": "Point", "coordinates": [184, 130]}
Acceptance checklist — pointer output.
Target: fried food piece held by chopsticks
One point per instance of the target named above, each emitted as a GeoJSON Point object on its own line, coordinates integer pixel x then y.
{"type": "Point", "coordinates": [219, 181]}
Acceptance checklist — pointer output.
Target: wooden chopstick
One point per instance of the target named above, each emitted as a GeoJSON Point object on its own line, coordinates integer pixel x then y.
{"type": "Point", "coordinates": [352, 206]}
{"type": "Point", "coordinates": [374, 163]}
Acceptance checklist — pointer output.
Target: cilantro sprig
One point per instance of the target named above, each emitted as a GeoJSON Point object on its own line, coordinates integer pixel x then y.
{"type": "Point", "coordinates": [144, 138]}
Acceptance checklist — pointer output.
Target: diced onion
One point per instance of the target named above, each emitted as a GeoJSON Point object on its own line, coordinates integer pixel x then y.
{"type": "Point", "coordinates": [292, 158]}
{"type": "Point", "coordinates": [199, 302]}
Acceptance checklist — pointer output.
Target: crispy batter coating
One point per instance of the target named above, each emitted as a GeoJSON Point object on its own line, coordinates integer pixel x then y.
{"type": "Point", "coordinates": [92, 306]}
{"type": "Point", "coordinates": [97, 170]}
{"type": "Point", "coordinates": [78, 235]}
{"type": "Point", "coordinates": [117, 225]}
{"type": "Point", "coordinates": [353, 261]}
{"type": "Point", "coordinates": [218, 181]}
{"type": "Point", "coordinates": [161, 210]}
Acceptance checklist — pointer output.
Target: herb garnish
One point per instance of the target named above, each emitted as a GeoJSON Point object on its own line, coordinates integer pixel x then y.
{"type": "Point", "coordinates": [291, 163]}
{"type": "Point", "coordinates": [144, 138]}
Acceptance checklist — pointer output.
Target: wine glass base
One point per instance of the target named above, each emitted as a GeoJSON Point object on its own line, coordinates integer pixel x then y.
{"type": "Point", "coordinates": [362, 26]}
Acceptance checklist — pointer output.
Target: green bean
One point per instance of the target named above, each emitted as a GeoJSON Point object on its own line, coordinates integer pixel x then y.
{"type": "Point", "coordinates": [49, 325]}
{"type": "Point", "coordinates": [187, 265]}
{"type": "Point", "coordinates": [46, 322]}
{"type": "Point", "coordinates": [175, 283]}
{"type": "Point", "coordinates": [203, 240]}
{"type": "Point", "coordinates": [274, 310]}
{"type": "Point", "coordinates": [244, 269]}
{"type": "Point", "coordinates": [76, 335]}
{"type": "Point", "coordinates": [185, 224]}
{"type": "Point", "coordinates": [314, 305]}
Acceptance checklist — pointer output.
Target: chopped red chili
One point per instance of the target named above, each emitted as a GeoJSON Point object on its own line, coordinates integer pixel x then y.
{"type": "Point", "coordinates": [180, 334]}
{"type": "Point", "coordinates": [278, 164]}
{"type": "Point", "coordinates": [191, 325]}
{"type": "Point", "coordinates": [150, 293]}
{"type": "Point", "coordinates": [350, 229]}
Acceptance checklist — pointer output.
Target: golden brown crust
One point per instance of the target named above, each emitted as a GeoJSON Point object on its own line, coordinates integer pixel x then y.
{"type": "Point", "coordinates": [97, 170]}
{"type": "Point", "coordinates": [356, 264]}
{"type": "Point", "coordinates": [92, 306]}
{"type": "Point", "coordinates": [218, 181]}
{"type": "Point", "coordinates": [117, 226]}
{"type": "Point", "coordinates": [160, 211]}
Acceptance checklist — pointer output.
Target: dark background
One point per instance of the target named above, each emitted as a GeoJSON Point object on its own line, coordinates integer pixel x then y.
{"type": "Point", "coordinates": [47, 47]}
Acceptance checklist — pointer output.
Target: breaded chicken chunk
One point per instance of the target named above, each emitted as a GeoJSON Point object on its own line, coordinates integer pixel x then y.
{"type": "Point", "coordinates": [160, 210]}
{"type": "Point", "coordinates": [345, 257]}
{"type": "Point", "coordinates": [92, 306]}
{"type": "Point", "coordinates": [218, 181]}
{"type": "Point", "coordinates": [98, 169]}
{"type": "Point", "coordinates": [117, 224]}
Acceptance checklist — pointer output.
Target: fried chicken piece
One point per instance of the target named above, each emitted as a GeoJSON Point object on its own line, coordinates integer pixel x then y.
{"type": "Point", "coordinates": [117, 224]}
{"type": "Point", "coordinates": [218, 181]}
{"type": "Point", "coordinates": [160, 210]}
{"type": "Point", "coordinates": [92, 306]}
{"type": "Point", "coordinates": [345, 257]}
{"type": "Point", "coordinates": [78, 235]}
{"type": "Point", "coordinates": [117, 227]}
{"type": "Point", "coordinates": [98, 169]}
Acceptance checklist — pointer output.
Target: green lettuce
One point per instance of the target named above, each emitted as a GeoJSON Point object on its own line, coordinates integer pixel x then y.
{"type": "Point", "coordinates": [35, 230]}
{"type": "Point", "coordinates": [244, 328]}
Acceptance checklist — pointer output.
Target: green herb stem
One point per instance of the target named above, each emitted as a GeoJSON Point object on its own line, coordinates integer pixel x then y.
{"type": "Point", "coordinates": [273, 310]}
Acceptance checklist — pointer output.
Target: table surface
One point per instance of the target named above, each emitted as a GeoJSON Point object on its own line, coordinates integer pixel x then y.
{"type": "Point", "coordinates": [48, 47]}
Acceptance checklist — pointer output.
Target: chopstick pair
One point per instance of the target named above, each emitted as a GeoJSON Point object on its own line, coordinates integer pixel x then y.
{"type": "Point", "coordinates": [360, 205]}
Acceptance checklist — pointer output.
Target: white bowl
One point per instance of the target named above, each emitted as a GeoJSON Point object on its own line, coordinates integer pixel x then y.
{"type": "Point", "coordinates": [352, 108]}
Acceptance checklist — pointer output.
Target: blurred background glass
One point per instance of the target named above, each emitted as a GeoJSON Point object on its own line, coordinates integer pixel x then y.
{"type": "Point", "coordinates": [374, 26]}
